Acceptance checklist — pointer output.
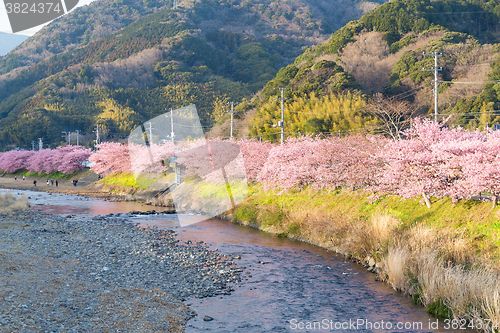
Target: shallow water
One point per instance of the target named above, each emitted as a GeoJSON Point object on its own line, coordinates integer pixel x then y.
{"type": "Point", "coordinates": [288, 285]}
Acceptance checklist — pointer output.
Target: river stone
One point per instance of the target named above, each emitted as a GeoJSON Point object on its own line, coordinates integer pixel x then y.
{"type": "Point", "coordinates": [371, 262]}
{"type": "Point", "coordinates": [207, 318]}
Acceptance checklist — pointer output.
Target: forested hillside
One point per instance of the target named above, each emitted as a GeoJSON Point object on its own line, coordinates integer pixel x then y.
{"type": "Point", "coordinates": [119, 63]}
{"type": "Point", "coordinates": [381, 54]}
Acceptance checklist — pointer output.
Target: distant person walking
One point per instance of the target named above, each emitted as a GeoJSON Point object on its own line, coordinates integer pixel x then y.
{"type": "Point", "coordinates": [48, 183]}
{"type": "Point", "coordinates": [52, 181]}
{"type": "Point", "coordinates": [57, 183]}
{"type": "Point", "coordinates": [15, 177]}
{"type": "Point", "coordinates": [24, 177]}
{"type": "Point", "coordinates": [34, 183]}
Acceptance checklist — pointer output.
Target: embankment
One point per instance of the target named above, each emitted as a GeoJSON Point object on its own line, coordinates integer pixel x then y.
{"type": "Point", "coordinates": [445, 257]}
{"type": "Point", "coordinates": [121, 187]}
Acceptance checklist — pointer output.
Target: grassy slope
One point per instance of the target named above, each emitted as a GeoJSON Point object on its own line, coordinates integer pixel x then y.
{"type": "Point", "coordinates": [474, 218]}
{"type": "Point", "coordinates": [446, 257]}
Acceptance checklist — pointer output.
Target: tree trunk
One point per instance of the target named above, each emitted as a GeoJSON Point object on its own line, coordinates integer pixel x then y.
{"type": "Point", "coordinates": [494, 201]}
{"type": "Point", "coordinates": [426, 199]}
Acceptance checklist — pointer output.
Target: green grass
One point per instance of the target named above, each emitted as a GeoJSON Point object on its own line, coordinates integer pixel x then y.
{"type": "Point", "coordinates": [208, 189]}
{"type": "Point", "coordinates": [52, 175]}
{"type": "Point", "coordinates": [130, 180]}
{"type": "Point", "coordinates": [476, 219]}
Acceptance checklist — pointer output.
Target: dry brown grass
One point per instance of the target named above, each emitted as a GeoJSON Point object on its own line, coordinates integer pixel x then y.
{"type": "Point", "coordinates": [422, 264]}
{"type": "Point", "coordinates": [383, 226]}
{"type": "Point", "coordinates": [419, 259]}
{"type": "Point", "coordinates": [438, 265]}
{"type": "Point", "coordinates": [395, 267]}
{"type": "Point", "coordinates": [332, 230]}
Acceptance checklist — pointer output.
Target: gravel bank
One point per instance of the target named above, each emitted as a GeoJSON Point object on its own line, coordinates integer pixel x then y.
{"type": "Point", "coordinates": [62, 274]}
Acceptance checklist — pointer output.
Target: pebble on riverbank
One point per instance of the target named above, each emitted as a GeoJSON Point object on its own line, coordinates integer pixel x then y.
{"type": "Point", "coordinates": [100, 274]}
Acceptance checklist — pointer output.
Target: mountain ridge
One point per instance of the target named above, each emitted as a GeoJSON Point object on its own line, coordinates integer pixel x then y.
{"type": "Point", "coordinates": [382, 53]}
{"type": "Point", "coordinates": [206, 52]}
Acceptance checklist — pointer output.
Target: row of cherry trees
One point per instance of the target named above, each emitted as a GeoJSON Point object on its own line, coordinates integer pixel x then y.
{"type": "Point", "coordinates": [434, 160]}
{"type": "Point", "coordinates": [63, 159]}
{"type": "Point", "coordinates": [431, 160]}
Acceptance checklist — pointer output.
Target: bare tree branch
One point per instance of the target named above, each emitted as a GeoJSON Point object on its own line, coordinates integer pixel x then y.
{"type": "Point", "coordinates": [395, 115]}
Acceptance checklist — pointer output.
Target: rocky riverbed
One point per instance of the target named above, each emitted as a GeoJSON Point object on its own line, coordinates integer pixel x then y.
{"type": "Point", "coordinates": [102, 274]}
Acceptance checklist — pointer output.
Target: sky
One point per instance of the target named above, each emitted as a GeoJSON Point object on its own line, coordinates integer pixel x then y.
{"type": "Point", "coordinates": [5, 24]}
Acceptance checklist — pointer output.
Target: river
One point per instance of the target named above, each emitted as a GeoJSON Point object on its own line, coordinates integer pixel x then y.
{"type": "Point", "coordinates": [288, 286]}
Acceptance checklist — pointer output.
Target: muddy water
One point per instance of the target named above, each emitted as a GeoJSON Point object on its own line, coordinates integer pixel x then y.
{"type": "Point", "coordinates": [289, 286]}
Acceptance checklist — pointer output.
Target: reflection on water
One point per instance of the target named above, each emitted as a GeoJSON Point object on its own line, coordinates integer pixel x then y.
{"type": "Point", "coordinates": [287, 283]}
{"type": "Point", "coordinates": [65, 204]}
{"type": "Point", "coordinates": [291, 282]}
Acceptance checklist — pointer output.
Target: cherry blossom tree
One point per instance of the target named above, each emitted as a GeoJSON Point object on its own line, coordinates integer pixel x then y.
{"type": "Point", "coordinates": [255, 155]}
{"type": "Point", "coordinates": [321, 163]}
{"type": "Point", "coordinates": [429, 161]}
{"type": "Point", "coordinates": [42, 161]}
{"type": "Point", "coordinates": [70, 158]}
{"type": "Point", "coordinates": [111, 157]}
{"type": "Point", "coordinates": [15, 160]}
{"type": "Point", "coordinates": [481, 170]}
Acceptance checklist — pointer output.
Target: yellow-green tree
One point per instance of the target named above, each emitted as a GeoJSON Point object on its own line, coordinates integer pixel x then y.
{"type": "Point", "coordinates": [330, 113]}
{"type": "Point", "coordinates": [220, 106]}
{"type": "Point", "coordinates": [115, 117]}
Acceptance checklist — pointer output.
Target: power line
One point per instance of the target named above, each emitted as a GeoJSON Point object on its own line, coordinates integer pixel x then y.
{"type": "Point", "coordinates": [472, 82]}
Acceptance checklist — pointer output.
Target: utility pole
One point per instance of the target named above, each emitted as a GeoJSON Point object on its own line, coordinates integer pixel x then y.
{"type": "Point", "coordinates": [97, 138]}
{"type": "Point", "coordinates": [282, 122]}
{"type": "Point", "coordinates": [435, 69]}
{"type": "Point", "coordinates": [175, 4]}
{"type": "Point", "coordinates": [65, 136]}
{"type": "Point", "coordinates": [232, 119]}
{"type": "Point", "coordinates": [150, 131]}
{"type": "Point", "coordinates": [40, 144]}
{"type": "Point", "coordinates": [77, 137]}
{"type": "Point", "coordinates": [172, 125]}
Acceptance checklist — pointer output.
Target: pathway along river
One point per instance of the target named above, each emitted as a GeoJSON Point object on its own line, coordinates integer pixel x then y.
{"type": "Point", "coordinates": [287, 286]}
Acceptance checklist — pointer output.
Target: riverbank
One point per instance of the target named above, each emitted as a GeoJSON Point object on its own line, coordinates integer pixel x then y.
{"type": "Point", "coordinates": [88, 185]}
{"type": "Point", "coordinates": [101, 274]}
{"type": "Point", "coordinates": [445, 257]}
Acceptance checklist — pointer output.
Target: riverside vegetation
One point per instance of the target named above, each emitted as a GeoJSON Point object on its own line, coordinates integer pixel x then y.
{"type": "Point", "coordinates": [406, 203]}
{"type": "Point", "coordinates": [444, 254]}
{"type": "Point", "coordinates": [362, 192]}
